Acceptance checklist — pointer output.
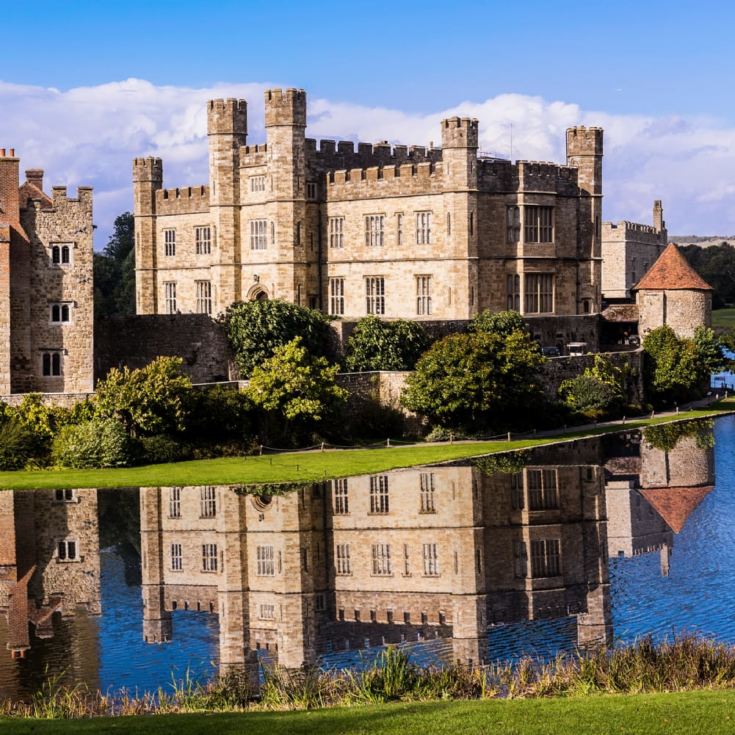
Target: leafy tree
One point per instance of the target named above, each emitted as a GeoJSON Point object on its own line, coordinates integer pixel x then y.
{"type": "Point", "coordinates": [677, 370]}
{"type": "Point", "coordinates": [114, 271]}
{"type": "Point", "coordinates": [93, 444]}
{"type": "Point", "coordinates": [716, 264]}
{"type": "Point", "coordinates": [380, 345]}
{"type": "Point", "coordinates": [18, 445]}
{"type": "Point", "coordinates": [666, 436]}
{"type": "Point", "coordinates": [220, 414]}
{"type": "Point", "coordinates": [477, 380]}
{"type": "Point", "coordinates": [296, 387]}
{"type": "Point", "coordinates": [256, 329]}
{"type": "Point", "coordinates": [498, 322]}
{"type": "Point", "coordinates": [599, 391]}
{"type": "Point", "coordinates": [150, 400]}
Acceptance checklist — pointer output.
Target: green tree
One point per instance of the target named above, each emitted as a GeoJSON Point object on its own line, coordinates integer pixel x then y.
{"type": "Point", "coordinates": [677, 369]}
{"type": "Point", "coordinates": [150, 400]}
{"type": "Point", "coordinates": [114, 271]}
{"type": "Point", "coordinates": [256, 329]}
{"type": "Point", "coordinates": [380, 345]}
{"type": "Point", "coordinates": [498, 322]}
{"type": "Point", "coordinates": [476, 381]}
{"type": "Point", "coordinates": [296, 388]}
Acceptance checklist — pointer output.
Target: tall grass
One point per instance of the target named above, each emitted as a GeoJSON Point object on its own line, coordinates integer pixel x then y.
{"type": "Point", "coordinates": [683, 663]}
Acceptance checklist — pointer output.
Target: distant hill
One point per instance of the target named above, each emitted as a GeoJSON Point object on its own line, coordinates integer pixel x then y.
{"type": "Point", "coordinates": [704, 241]}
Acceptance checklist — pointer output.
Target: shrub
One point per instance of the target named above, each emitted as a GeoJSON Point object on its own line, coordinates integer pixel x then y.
{"type": "Point", "coordinates": [477, 380]}
{"type": "Point", "coordinates": [220, 414]}
{"type": "Point", "coordinates": [600, 391]}
{"type": "Point", "coordinates": [93, 444]}
{"type": "Point", "coordinates": [296, 388]}
{"type": "Point", "coordinates": [498, 322]}
{"type": "Point", "coordinates": [379, 345]}
{"type": "Point", "coordinates": [151, 400]}
{"type": "Point", "coordinates": [160, 449]}
{"type": "Point", "coordinates": [589, 396]}
{"type": "Point", "coordinates": [17, 445]}
{"type": "Point", "coordinates": [256, 329]}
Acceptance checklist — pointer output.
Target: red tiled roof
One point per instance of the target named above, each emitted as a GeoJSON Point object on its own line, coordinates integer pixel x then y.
{"type": "Point", "coordinates": [672, 272]}
{"type": "Point", "coordinates": [676, 504]}
{"type": "Point", "coordinates": [31, 191]}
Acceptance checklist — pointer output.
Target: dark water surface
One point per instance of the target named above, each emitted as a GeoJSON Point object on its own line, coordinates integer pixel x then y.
{"type": "Point", "coordinates": [600, 541]}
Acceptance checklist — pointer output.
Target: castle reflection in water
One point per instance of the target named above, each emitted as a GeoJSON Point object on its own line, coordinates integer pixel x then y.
{"type": "Point", "coordinates": [442, 552]}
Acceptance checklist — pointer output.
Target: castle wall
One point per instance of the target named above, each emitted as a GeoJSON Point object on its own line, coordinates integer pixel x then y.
{"type": "Point", "coordinates": [682, 310]}
{"type": "Point", "coordinates": [294, 191]}
{"type": "Point", "coordinates": [629, 249]}
{"type": "Point", "coordinates": [67, 221]}
{"type": "Point", "coordinates": [136, 341]}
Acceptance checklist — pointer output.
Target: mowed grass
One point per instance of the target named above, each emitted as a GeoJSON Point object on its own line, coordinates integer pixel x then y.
{"type": "Point", "coordinates": [681, 713]}
{"type": "Point", "coordinates": [723, 317]}
{"type": "Point", "coordinates": [312, 466]}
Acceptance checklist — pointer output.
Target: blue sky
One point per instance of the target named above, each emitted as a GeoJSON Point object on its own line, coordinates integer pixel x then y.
{"type": "Point", "coordinates": [656, 75]}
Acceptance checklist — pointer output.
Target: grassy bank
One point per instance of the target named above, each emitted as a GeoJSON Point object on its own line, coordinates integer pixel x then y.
{"type": "Point", "coordinates": [723, 317]}
{"type": "Point", "coordinates": [682, 713]}
{"type": "Point", "coordinates": [313, 466]}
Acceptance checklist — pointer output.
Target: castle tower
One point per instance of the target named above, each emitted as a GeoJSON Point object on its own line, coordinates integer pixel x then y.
{"type": "Point", "coordinates": [459, 161]}
{"type": "Point", "coordinates": [227, 129]}
{"type": "Point", "coordinates": [658, 215]}
{"type": "Point", "coordinates": [147, 180]}
{"type": "Point", "coordinates": [584, 152]}
{"type": "Point", "coordinates": [9, 214]}
{"type": "Point", "coordinates": [157, 624]}
{"type": "Point", "coordinates": [672, 293]}
{"type": "Point", "coordinates": [285, 126]}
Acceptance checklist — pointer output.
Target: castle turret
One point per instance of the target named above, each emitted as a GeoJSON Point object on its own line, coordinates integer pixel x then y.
{"type": "Point", "coordinates": [459, 161]}
{"type": "Point", "coordinates": [147, 180]}
{"type": "Point", "coordinates": [285, 126]}
{"type": "Point", "coordinates": [672, 293]}
{"type": "Point", "coordinates": [459, 152]}
{"type": "Point", "coordinates": [227, 129]}
{"type": "Point", "coordinates": [584, 152]}
{"type": "Point", "coordinates": [658, 215]}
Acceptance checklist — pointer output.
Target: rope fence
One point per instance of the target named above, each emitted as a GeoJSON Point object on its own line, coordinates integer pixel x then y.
{"type": "Point", "coordinates": [264, 450]}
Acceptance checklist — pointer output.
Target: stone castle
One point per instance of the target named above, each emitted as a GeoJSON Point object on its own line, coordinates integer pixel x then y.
{"type": "Point", "coordinates": [412, 232]}
{"type": "Point", "coordinates": [46, 284]}
{"type": "Point", "coordinates": [431, 234]}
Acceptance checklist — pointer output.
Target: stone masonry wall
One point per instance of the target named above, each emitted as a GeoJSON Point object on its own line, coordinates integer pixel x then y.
{"type": "Point", "coordinates": [136, 341]}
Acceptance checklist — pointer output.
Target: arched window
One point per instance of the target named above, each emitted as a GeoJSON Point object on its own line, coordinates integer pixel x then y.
{"type": "Point", "coordinates": [56, 255]}
{"type": "Point", "coordinates": [65, 255]}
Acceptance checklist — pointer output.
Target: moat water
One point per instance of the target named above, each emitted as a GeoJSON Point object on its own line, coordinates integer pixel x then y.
{"type": "Point", "coordinates": [556, 549]}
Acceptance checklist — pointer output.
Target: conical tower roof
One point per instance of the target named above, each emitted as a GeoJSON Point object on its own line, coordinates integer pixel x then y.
{"type": "Point", "coordinates": [676, 504]}
{"type": "Point", "coordinates": [672, 272]}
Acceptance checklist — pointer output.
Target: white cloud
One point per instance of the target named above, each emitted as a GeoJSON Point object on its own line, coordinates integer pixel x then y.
{"type": "Point", "coordinates": [88, 135]}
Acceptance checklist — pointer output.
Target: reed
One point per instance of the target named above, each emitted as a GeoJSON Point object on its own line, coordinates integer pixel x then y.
{"type": "Point", "coordinates": [681, 664]}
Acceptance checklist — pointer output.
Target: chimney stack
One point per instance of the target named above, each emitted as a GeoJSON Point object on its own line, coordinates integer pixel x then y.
{"type": "Point", "coordinates": [9, 184]}
{"type": "Point", "coordinates": [35, 176]}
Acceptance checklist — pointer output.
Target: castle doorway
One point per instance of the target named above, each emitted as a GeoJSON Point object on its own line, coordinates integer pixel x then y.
{"type": "Point", "coordinates": [257, 293]}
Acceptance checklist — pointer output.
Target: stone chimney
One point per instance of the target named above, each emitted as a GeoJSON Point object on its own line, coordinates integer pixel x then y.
{"type": "Point", "coordinates": [9, 183]}
{"type": "Point", "coordinates": [35, 176]}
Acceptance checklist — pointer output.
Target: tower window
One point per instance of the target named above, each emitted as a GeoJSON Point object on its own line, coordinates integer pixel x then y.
{"type": "Point", "coordinates": [203, 240]}
{"type": "Point", "coordinates": [51, 363]}
{"type": "Point", "coordinates": [60, 313]}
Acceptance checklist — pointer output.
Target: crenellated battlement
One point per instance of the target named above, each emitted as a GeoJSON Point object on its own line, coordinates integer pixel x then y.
{"type": "Point", "coordinates": [149, 168]}
{"type": "Point", "coordinates": [385, 181]}
{"type": "Point", "coordinates": [583, 141]}
{"type": "Point", "coordinates": [227, 117]}
{"type": "Point", "coordinates": [627, 226]}
{"type": "Point", "coordinates": [285, 107]}
{"type": "Point", "coordinates": [345, 154]}
{"type": "Point", "coordinates": [187, 200]}
{"type": "Point", "coordinates": [253, 155]}
{"type": "Point", "coordinates": [60, 197]}
{"type": "Point", "coordinates": [460, 132]}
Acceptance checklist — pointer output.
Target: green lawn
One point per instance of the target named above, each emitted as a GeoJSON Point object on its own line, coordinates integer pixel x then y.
{"type": "Point", "coordinates": [687, 713]}
{"type": "Point", "coordinates": [723, 317]}
{"type": "Point", "coordinates": [309, 466]}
